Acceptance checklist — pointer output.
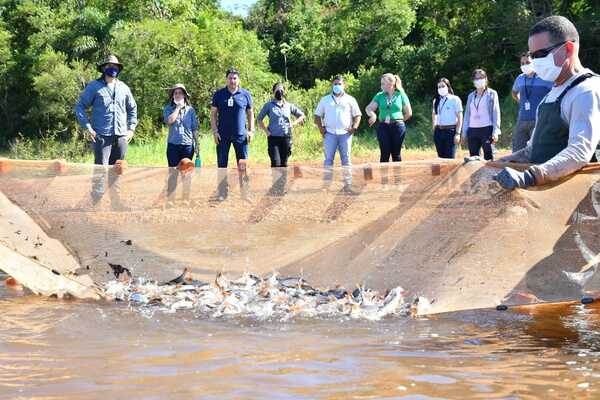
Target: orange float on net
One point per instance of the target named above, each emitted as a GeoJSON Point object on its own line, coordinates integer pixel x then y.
{"type": "Point", "coordinates": [12, 282]}
{"type": "Point", "coordinates": [5, 165]}
{"type": "Point", "coordinates": [120, 167]}
{"type": "Point", "coordinates": [297, 171]}
{"type": "Point", "coordinates": [368, 172]}
{"type": "Point", "coordinates": [59, 166]}
{"type": "Point", "coordinates": [185, 165]}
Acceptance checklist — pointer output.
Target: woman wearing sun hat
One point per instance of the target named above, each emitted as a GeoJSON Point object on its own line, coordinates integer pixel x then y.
{"type": "Point", "coordinates": [181, 118]}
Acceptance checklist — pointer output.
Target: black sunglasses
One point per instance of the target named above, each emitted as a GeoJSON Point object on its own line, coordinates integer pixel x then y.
{"type": "Point", "coordinates": [541, 53]}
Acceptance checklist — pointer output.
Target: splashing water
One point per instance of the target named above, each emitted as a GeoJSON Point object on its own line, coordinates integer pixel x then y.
{"type": "Point", "coordinates": [271, 297]}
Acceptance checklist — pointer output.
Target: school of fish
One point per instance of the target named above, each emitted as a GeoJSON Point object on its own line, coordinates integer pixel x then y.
{"type": "Point", "coordinates": [269, 298]}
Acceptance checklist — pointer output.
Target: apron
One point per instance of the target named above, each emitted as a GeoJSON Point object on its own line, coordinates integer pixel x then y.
{"type": "Point", "coordinates": [551, 133]}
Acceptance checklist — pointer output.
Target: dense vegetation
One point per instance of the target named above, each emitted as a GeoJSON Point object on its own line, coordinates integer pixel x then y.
{"type": "Point", "coordinates": [49, 48]}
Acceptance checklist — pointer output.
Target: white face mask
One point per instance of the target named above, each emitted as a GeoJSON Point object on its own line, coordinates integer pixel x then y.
{"type": "Point", "coordinates": [527, 69]}
{"type": "Point", "coordinates": [479, 83]}
{"type": "Point", "coordinates": [545, 67]}
{"type": "Point", "coordinates": [443, 91]}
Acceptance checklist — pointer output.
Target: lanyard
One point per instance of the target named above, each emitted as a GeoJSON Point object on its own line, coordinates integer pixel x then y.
{"type": "Point", "coordinates": [335, 101]}
{"type": "Point", "coordinates": [441, 106]}
{"type": "Point", "coordinates": [112, 92]}
{"type": "Point", "coordinates": [389, 102]}
{"type": "Point", "coordinates": [530, 86]}
{"type": "Point", "coordinates": [476, 103]}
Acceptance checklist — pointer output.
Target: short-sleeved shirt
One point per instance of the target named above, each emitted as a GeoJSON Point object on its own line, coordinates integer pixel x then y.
{"type": "Point", "coordinates": [279, 117]}
{"type": "Point", "coordinates": [232, 111]}
{"type": "Point", "coordinates": [531, 90]}
{"type": "Point", "coordinates": [338, 112]}
{"type": "Point", "coordinates": [183, 129]}
{"type": "Point", "coordinates": [447, 109]}
{"type": "Point", "coordinates": [391, 108]}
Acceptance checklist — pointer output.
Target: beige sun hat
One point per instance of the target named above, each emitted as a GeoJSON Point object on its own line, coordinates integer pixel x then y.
{"type": "Point", "coordinates": [178, 86]}
{"type": "Point", "coordinates": [109, 59]}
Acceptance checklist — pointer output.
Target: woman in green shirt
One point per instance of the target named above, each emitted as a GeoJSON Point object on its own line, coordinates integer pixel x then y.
{"type": "Point", "coordinates": [394, 110]}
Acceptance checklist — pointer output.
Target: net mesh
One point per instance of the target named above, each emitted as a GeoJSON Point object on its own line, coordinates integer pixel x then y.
{"type": "Point", "coordinates": [439, 229]}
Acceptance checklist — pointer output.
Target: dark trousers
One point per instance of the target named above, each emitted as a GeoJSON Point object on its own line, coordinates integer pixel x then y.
{"type": "Point", "coordinates": [444, 142]}
{"type": "Point", "coordinates": [280, 148]}
{"type": "Point", "coordinates": [241, 150]}
{"type": "Point", "coordinates": [176, 153]}
{"type": "Point", "coordinates": [479, 138]}
{"type": "Point", "coordinates": [107, 150]}
{"type": "Point", "coordinates": [390, 138]}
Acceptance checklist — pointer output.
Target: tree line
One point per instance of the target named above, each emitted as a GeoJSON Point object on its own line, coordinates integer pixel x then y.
{"type": "Point", "coordinates": [49, 50]}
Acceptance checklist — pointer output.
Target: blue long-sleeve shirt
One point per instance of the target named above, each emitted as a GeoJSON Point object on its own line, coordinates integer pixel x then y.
{"type": "Point", "coordinates": [184, 129]}
{"type": "Point", "coordinates": [114, 112]}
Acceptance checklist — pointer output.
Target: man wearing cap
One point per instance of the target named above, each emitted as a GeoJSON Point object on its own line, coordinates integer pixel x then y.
{"type": "Point", "coordinates": [567, 128]}
{"type": "Point", "coordinates": [113, 118]}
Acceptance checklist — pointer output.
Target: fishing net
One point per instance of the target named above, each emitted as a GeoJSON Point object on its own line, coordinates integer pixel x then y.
{"type": "Point", "coordinates": [438, 229]}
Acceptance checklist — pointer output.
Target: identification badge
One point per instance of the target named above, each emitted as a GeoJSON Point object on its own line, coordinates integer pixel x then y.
{"type": "Point", "coordinates": [387, 119]}
{"type": "Point", "coordinates": [230, 102]}
{"type": "Point", "coordinates": [527, 106]}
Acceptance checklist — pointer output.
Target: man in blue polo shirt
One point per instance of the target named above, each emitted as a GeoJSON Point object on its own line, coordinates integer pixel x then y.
{"type": "Point", "coordinates": [231, 107]}
{"type": "Point", "coordinates": [528, 90]}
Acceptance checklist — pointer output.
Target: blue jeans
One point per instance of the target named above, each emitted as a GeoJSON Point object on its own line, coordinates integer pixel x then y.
{"type": "Point", "coordinates": [333, 143]}
{"type": "Point", "coordinates": [343, 144]}
{"type": "Point", "coordinates": [240, 147]}
{"type": "Point", "coordinates": [390, 138]}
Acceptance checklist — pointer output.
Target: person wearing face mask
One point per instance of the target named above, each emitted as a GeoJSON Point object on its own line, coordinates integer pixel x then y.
{"type": "Point", "coordinates": [567, 128]}
{"type": "Point", "coordinates": [394, 109]}
{"type": "Point", "coordinates": [113, 118]}
{"type": "Point", "coordinates": [279, 131]}
{"type": "Point", "coordinates": [114, 113]}
{"type": "Point", "coordinates": [447, 117]}
{"type": "Point", "coordinates": [481, 125]}
{"type": "Point", "coordinates": [181, 118]}
{"type": "Point", "coordinates": [528, 90]}
{"type": "Point", "coordinates": [337, 116]}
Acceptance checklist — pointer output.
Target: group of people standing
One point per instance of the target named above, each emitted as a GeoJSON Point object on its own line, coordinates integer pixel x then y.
{"type": "Point", "coordinates": [337, 115]}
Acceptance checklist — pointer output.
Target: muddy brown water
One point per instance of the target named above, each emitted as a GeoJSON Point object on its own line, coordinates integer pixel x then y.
{"type": "Point", "coordinates": [56, 349]}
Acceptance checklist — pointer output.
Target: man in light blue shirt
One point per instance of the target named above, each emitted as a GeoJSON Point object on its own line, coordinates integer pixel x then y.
{"type": "Point", "coordinates": [528, 90]}
{"type": "Point", "coordinates": [114, 113]}
{"type": "Point", "coordinates": [113, 120]}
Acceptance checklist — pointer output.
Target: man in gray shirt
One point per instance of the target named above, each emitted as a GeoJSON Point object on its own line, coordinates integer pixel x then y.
{"type": "Point", "coordinates": [567, 130]}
